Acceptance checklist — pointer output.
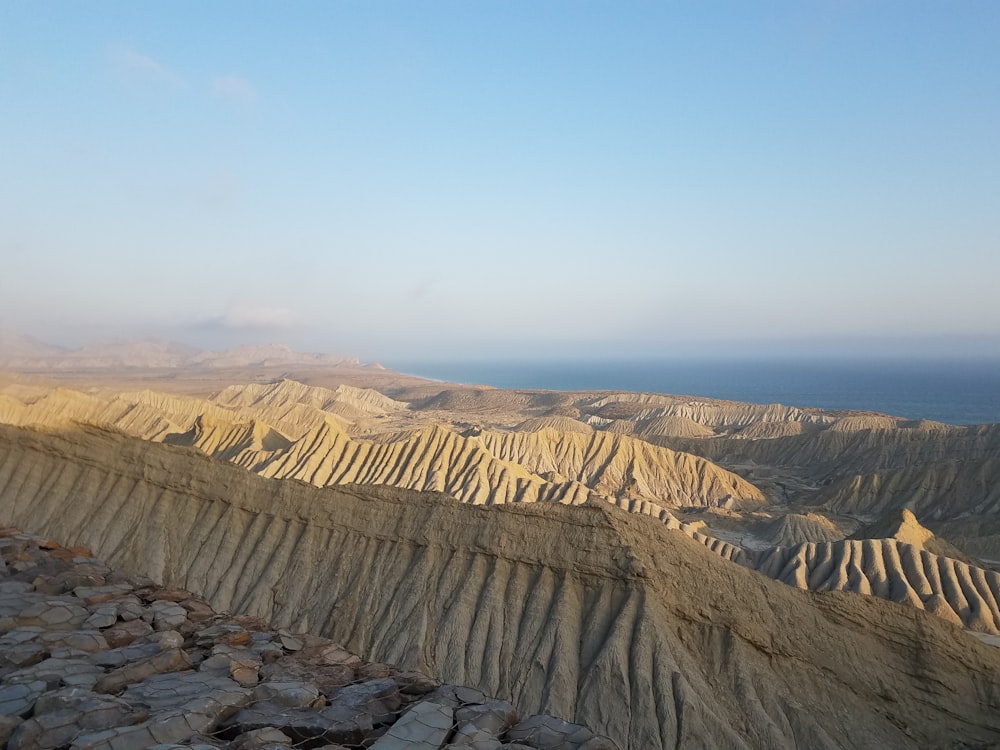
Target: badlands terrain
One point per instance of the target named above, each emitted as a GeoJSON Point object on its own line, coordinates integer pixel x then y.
{"type": "Point", "coordinates": [668, 571]}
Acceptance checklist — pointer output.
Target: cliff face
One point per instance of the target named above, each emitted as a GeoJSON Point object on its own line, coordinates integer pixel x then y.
{"type": "Point", "coordinates": [584, 612]}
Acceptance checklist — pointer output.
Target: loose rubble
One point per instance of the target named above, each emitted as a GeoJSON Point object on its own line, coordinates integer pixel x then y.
{"type": "Point", "coordinates": [93, 659]}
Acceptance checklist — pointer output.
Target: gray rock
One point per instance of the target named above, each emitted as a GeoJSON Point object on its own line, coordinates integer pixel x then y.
{"type": "Point", "coordinates": [22, 655]}
{"type": "Point", "coordinates": [416, 683]}
{"type": "Point", "coordinates": [124, 633]}
{"type": "Point", "coordinates": [470, 737]}
{"type": "Point", "coordinates": [380, 698]}
{"type": "Point", "coordinates": [15, 597]}
{"type": "Point", "coordinates": [245, 671]}
{"type": "Point", "coordinates": [215, 663]}
{"type": "Point", "coordinates": [57, 672]}
{"type": "Point", "coordinates": [215, 634]}
{"type": "Point", "coordinates": [333, 724]}
{"type": "Point", "coordinates": [181, 706]}
{"type": "Point", "coordinates": [424, 727]}
{"type": "Point", "coordinates": [103, 616]}
{"type": "Point", "coordinates": [54, 613]}
{"type": "Point", "coordinates": [52, 730]}
{"type": "Point", "coordinates": [96, 711]}
{"type": "Point", "coordinates": [129, 608]}
{"type": "Point", "coordinates": [20, 635]}
{"type": "Point", "coordinates": [329, 678]}
{"type": "Point", "coordinates": [86, 641]}
{"type": "Point", "coordinates": [8, 724]}
{"type": "Point", "coordinates": [118, 657]}
{"type": "Point", "coordinates": [19, 699]}
{"type": "Point", "coordinates": [334, 654]}
{"type": "Point", "coordinates": [173, 660]}
{"type": "Point", "coordinates": [267, 651]}
{"type": "Point", "coordinates": [291, 694]}
{"type": "Point", "coordinates": [167, 615]}
{"type": "Point", "coordinates": [187, 691]}
{"type": "Point", "coordinates": [62, 715]}
{"type": "Point", "coordinates": [136, 737]}
{"type": "Point", "coordinates": [259, 738]}
{"type": "Point", "coordinates": [100, 594]}
{"type": "Point", "coordinates": [170, 639]}
{"type": "Point", "coordinates": [456, 696]}
{"type": "Point", "coordinates": [549, 733]}
{"type": "Point", "coordinates": [494, 717]}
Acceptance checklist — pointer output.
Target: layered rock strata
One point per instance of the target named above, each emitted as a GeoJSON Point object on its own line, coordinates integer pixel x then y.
{"type": "Point", "coordinates": [289, 430]}
{"type": "Point", "coordinates": [600, 616]}
{"type": "Point", "coordinates": [92, 659]}
{"type": "Point", "coordinates": [964, 594]}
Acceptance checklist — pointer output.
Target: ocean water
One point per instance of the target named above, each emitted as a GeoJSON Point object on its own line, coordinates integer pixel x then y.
{"type": "Point", "coordinates": [952, 391]}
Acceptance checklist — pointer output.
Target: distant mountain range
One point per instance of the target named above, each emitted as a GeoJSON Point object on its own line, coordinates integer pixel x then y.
{"type": "Point", "coordinates": [24, 353]}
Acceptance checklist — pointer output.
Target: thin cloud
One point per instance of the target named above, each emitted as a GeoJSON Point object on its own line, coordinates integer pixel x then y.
{"type": "Point", "coordinates": [234, 89]}
{"type": "Point", "coordinates": [244, 317]}
{"type": "Point", "coordinates": [135, 67]}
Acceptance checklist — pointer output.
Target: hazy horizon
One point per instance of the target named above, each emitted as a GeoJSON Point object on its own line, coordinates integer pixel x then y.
{"type": "Point", "coordinates": [861, 350]}
{"type": "Point", "coordinates": [399, 181]}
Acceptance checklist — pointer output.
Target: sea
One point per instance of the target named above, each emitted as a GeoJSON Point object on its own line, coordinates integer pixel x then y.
{"type": "Point", "coordinates": [956, 391]}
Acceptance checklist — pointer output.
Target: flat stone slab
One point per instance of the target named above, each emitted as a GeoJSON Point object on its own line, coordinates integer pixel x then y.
{"type": "Point", "coordinates": [332, 724]}
{"type": "Point", "coordinates": [171, 660]}
{"type": "Point", "coordinates": [19, 699]}
{"type": "Point", "coordinates": [424, 727]}
{"type": "Point", "coordinates": [60, 716]}
{"type": "Point", "coordinates": [54, 613]}
{"type": "Point", "coordinates": [549, 733]}
{"type": "Point", "coordinates": [291, 694]}
{"type": "Point", "coordinates": [99, 594]}
{"type": "Point", "coordinates": [119, 665]}
{"type": "Point", "coordinates": [186, 691]}
{"type": "Point", "coordinates": [56, 672]}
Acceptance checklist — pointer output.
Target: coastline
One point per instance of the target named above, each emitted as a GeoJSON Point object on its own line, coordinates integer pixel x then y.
{"type": "Point", "coordinates": [954, 391]}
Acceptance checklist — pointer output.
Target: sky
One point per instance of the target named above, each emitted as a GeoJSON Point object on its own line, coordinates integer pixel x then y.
{"type": "Point", "coordinates": [470, 179]}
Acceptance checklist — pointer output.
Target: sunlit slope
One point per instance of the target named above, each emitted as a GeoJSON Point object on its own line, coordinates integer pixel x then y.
{"type": "Point", "coordinates": [644, 409]}
{"type": "Point", "coordinates": [144, 413]}
{"type": "Point", "coordinates": [622, 466]}
{"type": "Point", "coordinates": [800, 528]}
{"type": "Point", "coordinates": [289, 430]}
{"type": "Point", "coordinates": [888, 568]}
{"type": "Point", "coordinates": [277, 402]}
{"type": "Point", "coordinates": [582, 611]}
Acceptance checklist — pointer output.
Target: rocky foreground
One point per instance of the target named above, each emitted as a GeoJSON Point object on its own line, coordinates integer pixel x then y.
{"type": "Point", "coordinates": [91, 658]}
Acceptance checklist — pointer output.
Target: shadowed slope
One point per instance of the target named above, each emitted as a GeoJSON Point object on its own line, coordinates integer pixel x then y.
{"type": "Point", "coordinates": [800, 528]}
{"type": "Point", "coordinates": [904, 527]}
{"type": "Point", "coordinates": [956, 591]}
{"type": "Point", "coordinates": [618, 465]}
{"type": "Point", "coordinates": [584, 611]}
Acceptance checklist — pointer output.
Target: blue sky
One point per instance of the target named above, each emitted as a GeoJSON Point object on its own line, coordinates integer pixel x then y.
{"type": "Point", "coordinates": [474, 179]}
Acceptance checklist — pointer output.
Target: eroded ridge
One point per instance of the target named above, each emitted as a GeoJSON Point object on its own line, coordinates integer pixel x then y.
{"type": "Point", "coordinates": [290, 430]}
{"type": "Point", "coordinates": [586, 612]}
{"type": "Point", "coordinates": [964, 594]}
{"type": "Point", "coordinates": [93, 659]}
